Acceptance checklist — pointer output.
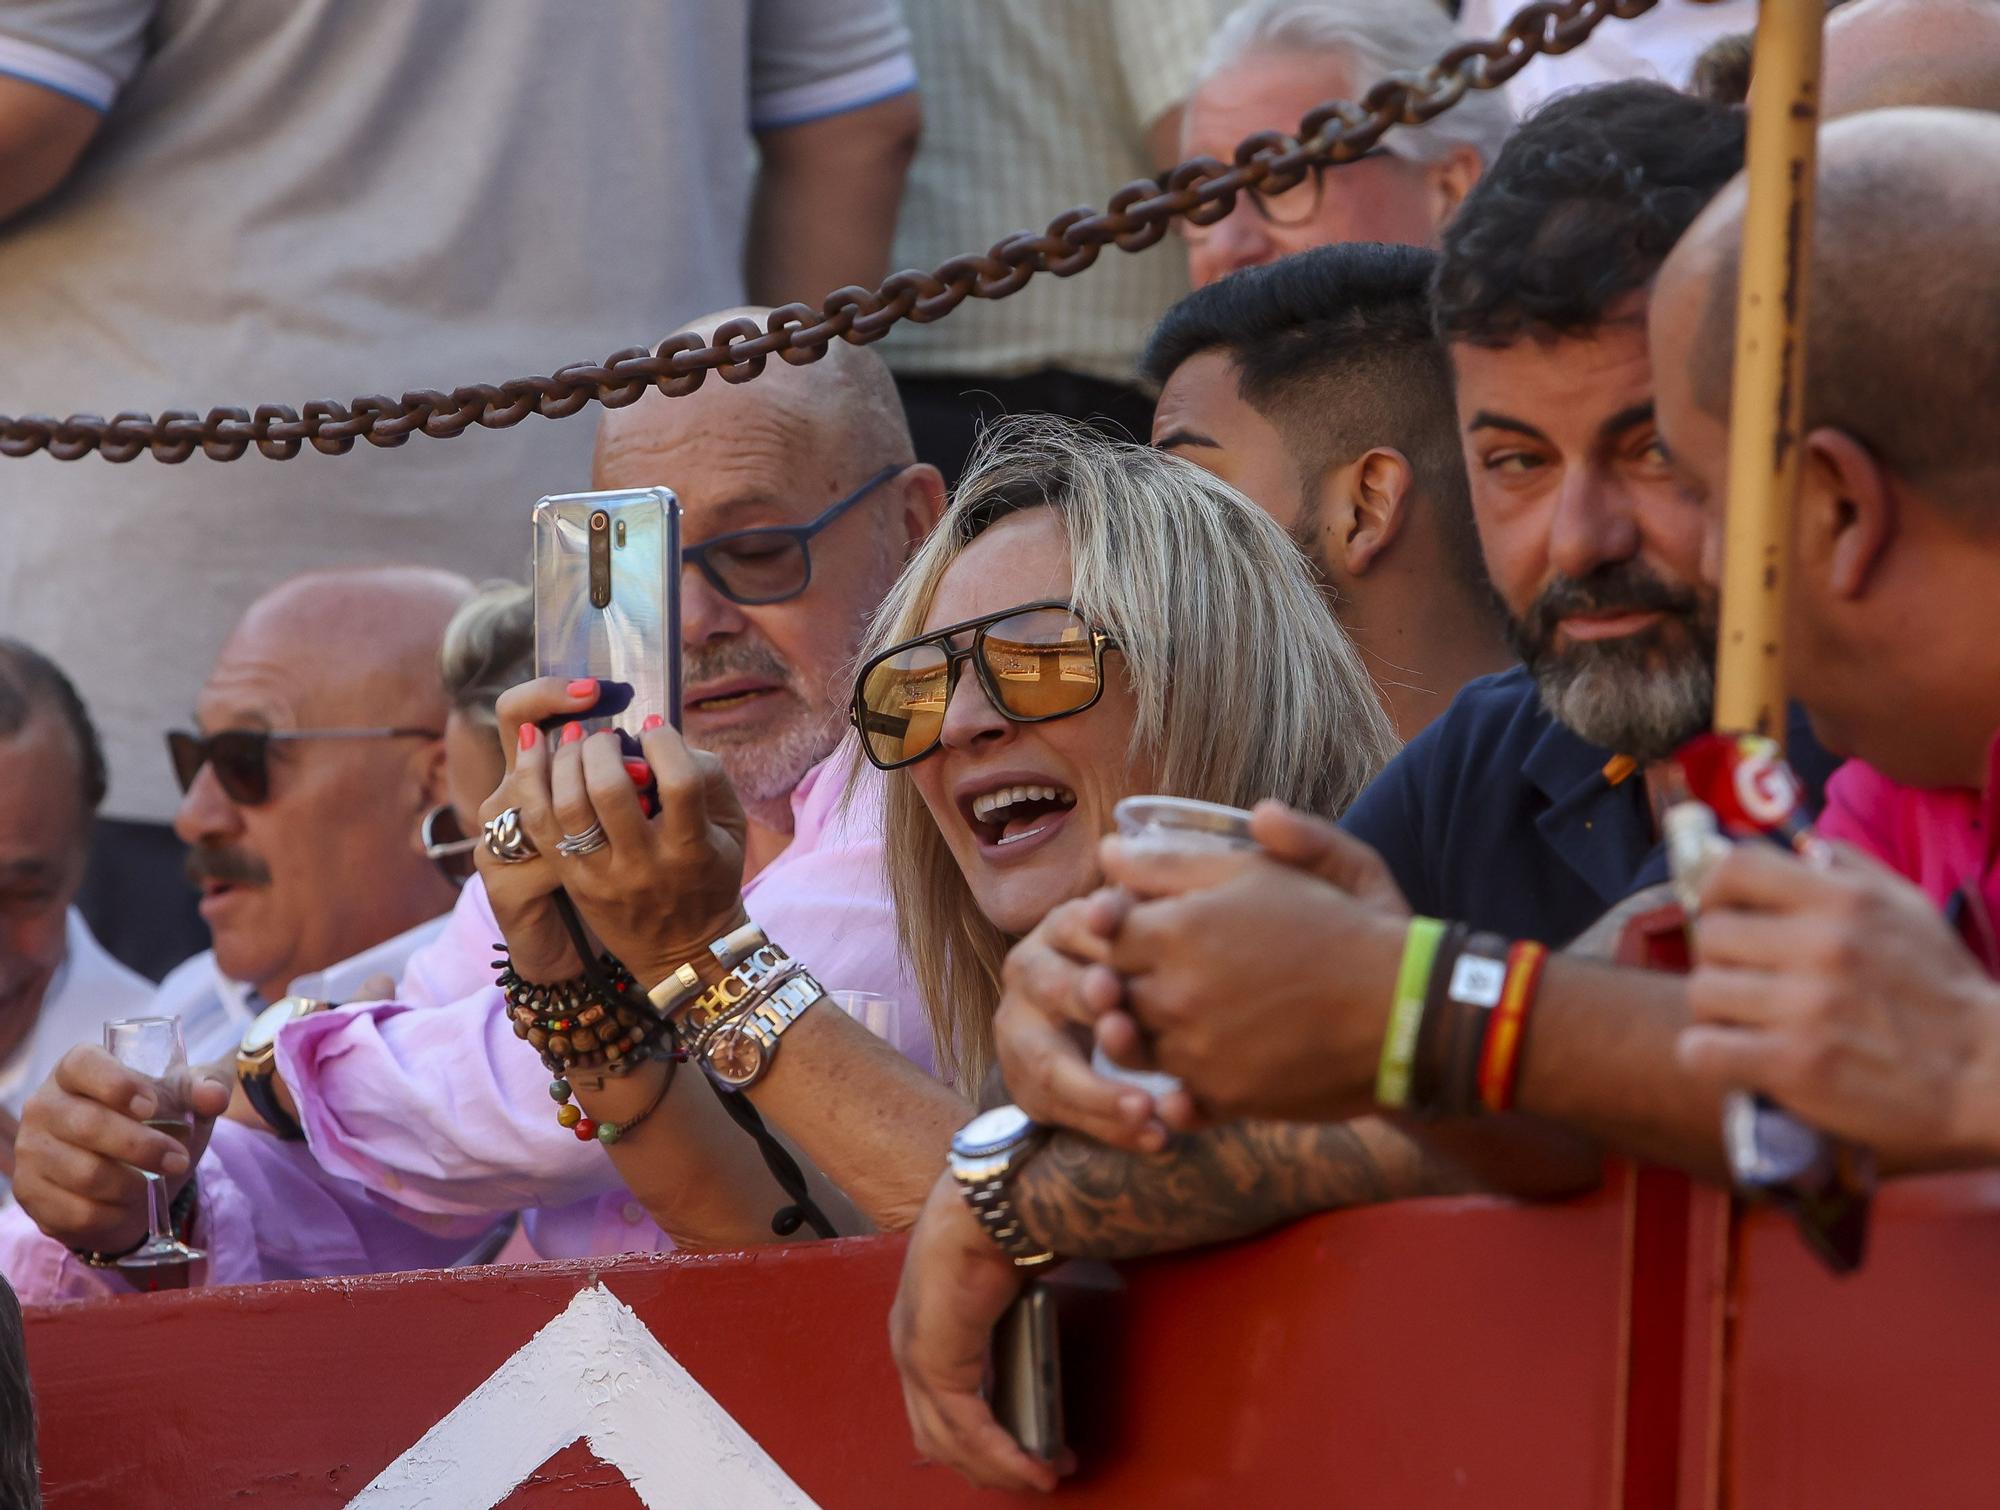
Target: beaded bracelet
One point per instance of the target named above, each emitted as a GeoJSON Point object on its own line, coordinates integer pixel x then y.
{"type": "Point", "coordinates": [572, 1116]}
{"type": "Point", "coordinates": [567, 1025]}
{"type": "Point", "coordinates": [573, 1029]}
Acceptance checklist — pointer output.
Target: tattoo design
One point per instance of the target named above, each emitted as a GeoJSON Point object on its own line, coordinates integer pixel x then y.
{"type": "Point", "coordinates": [1087, 1200]}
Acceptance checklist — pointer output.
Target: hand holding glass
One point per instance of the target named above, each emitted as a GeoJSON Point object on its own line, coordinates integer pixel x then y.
{"type": "Point", "coordinates": [151, 1046]}
{"type": "Point", "coordinates": [1172, 823]}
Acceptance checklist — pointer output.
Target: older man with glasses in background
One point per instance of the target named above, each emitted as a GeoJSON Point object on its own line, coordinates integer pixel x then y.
{"type": "Point", "coordinates": [1273, 61]}
{"type": "Point", "coordinates": [801, 502]}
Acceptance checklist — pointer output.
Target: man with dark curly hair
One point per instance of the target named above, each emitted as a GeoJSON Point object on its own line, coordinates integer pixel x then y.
{"type": "Point", "coordinates": [1526, 810]}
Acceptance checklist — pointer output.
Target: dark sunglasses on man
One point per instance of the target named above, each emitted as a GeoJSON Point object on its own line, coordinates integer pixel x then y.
{"type": "Point", "coordinates": [1038, 662]}
{"type": "Point", "coordinates": [241, 758]}
{"type": "Point", "coordinates": [770, 564]}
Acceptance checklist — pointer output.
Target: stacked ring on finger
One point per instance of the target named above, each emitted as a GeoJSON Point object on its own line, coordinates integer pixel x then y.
{"type": "Point", "coordinates": [589, 842]}
{"type": "Point", "coordinates": [506, 840]}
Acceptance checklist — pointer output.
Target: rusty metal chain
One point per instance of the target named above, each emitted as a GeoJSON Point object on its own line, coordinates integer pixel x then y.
{"type": "Point", "coordinates": [1202, 189]}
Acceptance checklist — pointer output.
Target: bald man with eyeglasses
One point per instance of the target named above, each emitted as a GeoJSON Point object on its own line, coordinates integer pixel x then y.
{"type": "Point", "coordinates": [423, 1118]}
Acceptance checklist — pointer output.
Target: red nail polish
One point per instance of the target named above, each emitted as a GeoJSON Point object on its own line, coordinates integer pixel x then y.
{"type": "Point", "coordinates": [529, 734]}
{"type": "Point", "coordinates": [639, 771]}
{"type": "Point", "coordinates": [583, 686]}
{"type": "Point", "coordinates": [648, 806]}
{"type": "Point", "coordinates": [572, 733]}
{"type": "Point", "coordinates": [653, 721]}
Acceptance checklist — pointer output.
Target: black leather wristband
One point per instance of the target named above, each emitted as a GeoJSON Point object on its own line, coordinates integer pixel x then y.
{"type": "Point", "coordinates": [262, 1095]}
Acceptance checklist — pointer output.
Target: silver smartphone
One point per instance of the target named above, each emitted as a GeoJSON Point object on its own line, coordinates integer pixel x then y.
{"type": "Point", "coordinates": [607, 601]}
{"type": "Point", "coordinates": [1027, 1374]}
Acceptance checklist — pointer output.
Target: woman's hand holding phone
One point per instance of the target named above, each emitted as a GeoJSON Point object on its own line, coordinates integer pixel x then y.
{"type": "Point", "coordinates": [662, 885]}
{"type": "Point", "coordinates": [522, 892]}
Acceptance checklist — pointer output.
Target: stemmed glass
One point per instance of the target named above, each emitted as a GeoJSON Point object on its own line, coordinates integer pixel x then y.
{"type": "Point", "coordinates": [151, 1046]}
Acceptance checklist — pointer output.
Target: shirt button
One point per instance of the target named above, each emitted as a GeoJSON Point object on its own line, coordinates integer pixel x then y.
{"type": "Point", "coordinates": [633, 1212]}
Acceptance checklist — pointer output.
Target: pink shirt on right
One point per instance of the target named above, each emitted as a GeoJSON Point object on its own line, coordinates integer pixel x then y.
{"type": "Point", "coordinates": [1942, 838]}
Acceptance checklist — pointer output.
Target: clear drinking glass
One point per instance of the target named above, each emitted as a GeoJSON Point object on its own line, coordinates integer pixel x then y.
{"type": "Point", "coordinates": [875, 1013]}
{"type": "Point", "coordinates": [151, 1046]}
{"type": "Point", "coordinates": [1175, 823]}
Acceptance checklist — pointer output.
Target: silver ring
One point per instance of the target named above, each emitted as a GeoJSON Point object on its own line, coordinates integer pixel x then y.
{"type": "Point", "coordinates": [589, 842]}
{"type": "Point", "coordinates": [506, 840]}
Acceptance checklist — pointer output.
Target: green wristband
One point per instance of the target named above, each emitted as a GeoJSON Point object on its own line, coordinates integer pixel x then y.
{"type": "Point", "coordinates": [1406, 1012]}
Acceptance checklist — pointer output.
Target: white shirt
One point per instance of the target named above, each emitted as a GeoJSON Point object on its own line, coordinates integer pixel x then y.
{"type": "Point", "coordinates": [1662, 45]}
{"type": "Point", "coordinates": [90, 988]}
{"type": "Point", "coordinates": [216, 1011]}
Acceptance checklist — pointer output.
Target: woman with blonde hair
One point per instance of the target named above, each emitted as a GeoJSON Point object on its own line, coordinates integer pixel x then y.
{"type": "Point", "coordinates": [1089, 621]}
{"type": "Point", "coordinates": [1223, 677]}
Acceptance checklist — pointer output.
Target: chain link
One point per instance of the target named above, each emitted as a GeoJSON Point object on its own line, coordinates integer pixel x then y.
{"type": "Point", "coordinates": [1202, 189]}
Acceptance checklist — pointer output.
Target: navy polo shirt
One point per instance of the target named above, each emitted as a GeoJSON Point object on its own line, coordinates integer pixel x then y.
{"type": "Point", "coordinates": [1498, 816]}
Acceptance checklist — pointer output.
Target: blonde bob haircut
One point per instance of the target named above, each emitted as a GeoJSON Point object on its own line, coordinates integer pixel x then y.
{"type": "Point", "coordinates": [1246, 687]}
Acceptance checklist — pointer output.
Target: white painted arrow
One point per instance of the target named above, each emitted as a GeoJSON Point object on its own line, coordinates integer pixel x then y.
{"type": "Point", "coordinates": [596, 1371]}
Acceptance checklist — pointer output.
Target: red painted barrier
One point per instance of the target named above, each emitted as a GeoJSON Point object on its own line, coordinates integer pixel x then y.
{"type": "Point", "coordinates": [1604, 1353]}
{"type": "Point", "coordinates": [1437, 1353]}
{"type": "Point", "coordinates": [1878, 1390]}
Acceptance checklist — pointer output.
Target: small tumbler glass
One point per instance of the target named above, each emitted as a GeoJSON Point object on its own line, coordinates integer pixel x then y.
{"type": "Point", "coordinates": [1180, 823]}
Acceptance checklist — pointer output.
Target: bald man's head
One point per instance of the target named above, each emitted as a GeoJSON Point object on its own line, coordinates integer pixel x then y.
{"type": "Point", "coordinates": [846, 400]}
{"type": "Point", "coordinates": [823, 447]}
{"type": "Point", "coordinates": [1903, 349]}
{"type": "Point", "coordinates": [358, 635]}
{"type": "Point", "coordinates": [302, 818]}
{"type": "Point", "coordinates": [1894, 543]}
{"type": "Point", "coordinates": [1882, 54]}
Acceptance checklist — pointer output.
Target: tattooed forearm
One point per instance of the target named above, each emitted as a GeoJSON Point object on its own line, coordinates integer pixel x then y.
{"type": "Point", "coordinates": [1090, 1201]}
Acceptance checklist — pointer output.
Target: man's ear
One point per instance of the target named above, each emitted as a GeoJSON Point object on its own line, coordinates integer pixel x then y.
{"type": "Point", "coordinates": [923, 500]}
{"type": "Point", "coordinates": [1846, 514]}
{"type": "Point", "coordinates": [429, 770]}
{"type": "Point", "coordinates": [1450, 180]}
{"type": "Point", "coordinates": [1378, 488]}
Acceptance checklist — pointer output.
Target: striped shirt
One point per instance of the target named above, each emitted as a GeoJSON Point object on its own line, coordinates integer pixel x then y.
{"type": "Point", "coordinates": [1032, 107]}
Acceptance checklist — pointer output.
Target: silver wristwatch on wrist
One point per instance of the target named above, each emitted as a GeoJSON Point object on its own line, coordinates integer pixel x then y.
{"type": "Point", "coordinates": [985, 1153]}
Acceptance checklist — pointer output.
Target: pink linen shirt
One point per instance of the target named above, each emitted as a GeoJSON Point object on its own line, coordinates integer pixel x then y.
{"type": "Point", "coordinates": [1946, 839]}
{"type": "Point", "coordinates": [439, 1109]}
{"type": "Point", "coordinates": [427, 1114]}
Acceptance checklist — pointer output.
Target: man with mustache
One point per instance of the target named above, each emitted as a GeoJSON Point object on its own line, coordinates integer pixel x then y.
{"type": "Point", "coordinates": [425, 1112]}
{"type": "Point", "coordinates": [317, 749]}
{"type": "Point", "coordinates": [57, 983]}
{"type": "Point", "coordinates": [1525, 811]}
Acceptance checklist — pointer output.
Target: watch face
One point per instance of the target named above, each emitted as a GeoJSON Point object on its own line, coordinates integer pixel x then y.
{"type": "Point", "coordinates": [264, 1028]}
{"type": "Point", "coordinates": [736, 1057]}
{"type": "Point", "coordinates": [990, 1132]}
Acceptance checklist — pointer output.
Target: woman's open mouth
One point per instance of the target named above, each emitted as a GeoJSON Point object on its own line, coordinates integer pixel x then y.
{"type": "Point", "coordinates": [1014, 815]}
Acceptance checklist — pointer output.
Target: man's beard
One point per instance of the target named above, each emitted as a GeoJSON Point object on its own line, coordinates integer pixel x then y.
{"type": "Point", "coordinates": [1642, 695]}
{"type": "Point", "coordinates": [765, 760]}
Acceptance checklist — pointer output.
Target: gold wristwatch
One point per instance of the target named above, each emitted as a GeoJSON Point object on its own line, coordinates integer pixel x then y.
{"type": "Point", "coordinates": [735, 1044]}
{"type": "Point", "coordinates": [257, 1061]}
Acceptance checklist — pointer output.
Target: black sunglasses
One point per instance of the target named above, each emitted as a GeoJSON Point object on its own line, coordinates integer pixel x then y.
{"type": "Point", "coordinates": [1035, 663]}
{"type": "Point", "coordinates": [241, 758]}
{"type": "Point", "coordinates": [771, 564]}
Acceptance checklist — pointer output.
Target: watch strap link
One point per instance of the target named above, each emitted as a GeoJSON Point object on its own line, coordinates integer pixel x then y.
{"type": "Point", "coordinates": [988, 1200]}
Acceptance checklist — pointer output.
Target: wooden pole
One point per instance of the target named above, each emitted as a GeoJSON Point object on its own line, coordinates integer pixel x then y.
{"type": "Point", "coordinates": [1770, 367]}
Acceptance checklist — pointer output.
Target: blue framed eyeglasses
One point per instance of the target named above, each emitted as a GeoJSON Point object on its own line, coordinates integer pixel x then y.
{"type": "Point", "coordinates": [771, 564]}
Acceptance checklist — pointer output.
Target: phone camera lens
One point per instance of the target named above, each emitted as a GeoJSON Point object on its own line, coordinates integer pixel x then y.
{"type": "Point", "coordinates": [599, 520]}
